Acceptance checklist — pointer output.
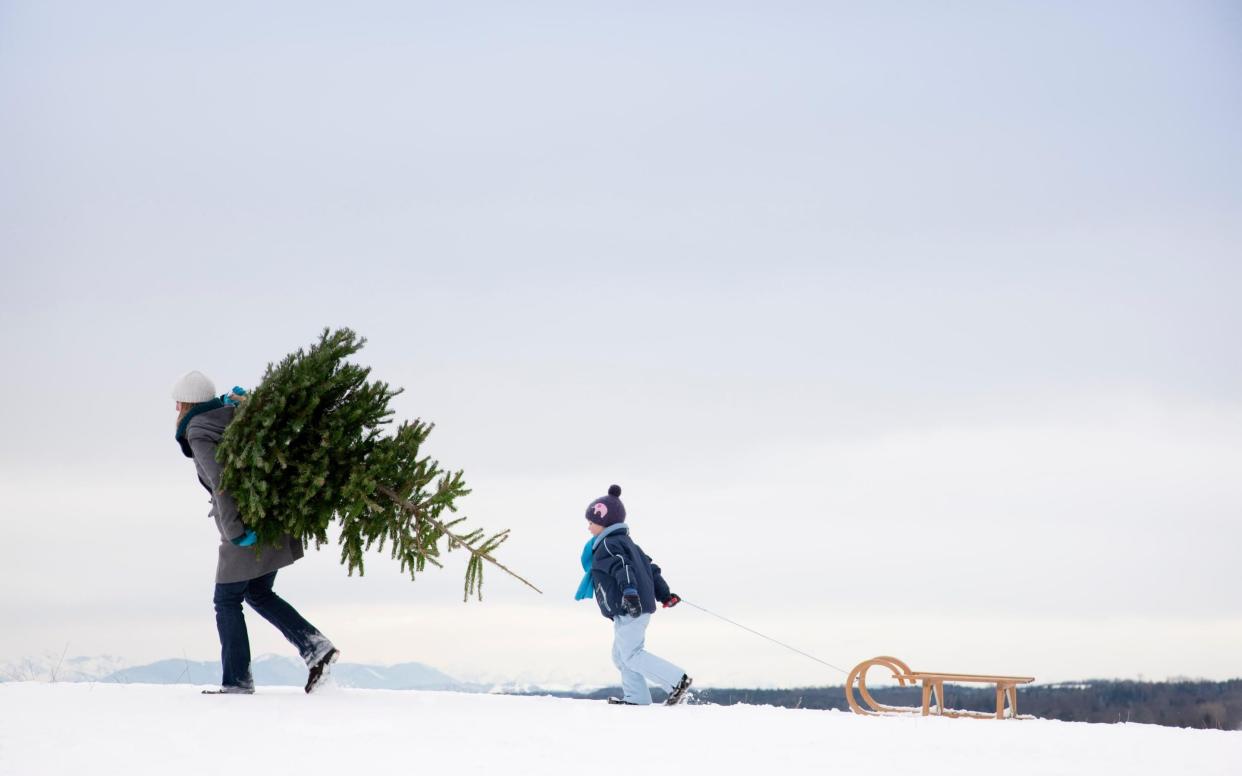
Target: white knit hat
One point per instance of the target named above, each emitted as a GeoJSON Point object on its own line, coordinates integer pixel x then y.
{"type": "Point", "coordinates": [194, 387]}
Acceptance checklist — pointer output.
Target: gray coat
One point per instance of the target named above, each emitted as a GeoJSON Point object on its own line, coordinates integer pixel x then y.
{"type": "Point", "coordinates": [235, 564]}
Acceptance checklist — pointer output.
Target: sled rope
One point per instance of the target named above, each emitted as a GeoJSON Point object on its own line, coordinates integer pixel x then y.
{"type": "Point", "coordinates": [760, 635]}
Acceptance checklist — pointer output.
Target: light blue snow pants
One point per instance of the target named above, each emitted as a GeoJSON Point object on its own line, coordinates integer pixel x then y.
{"type": "Point", "coordinates": [636, 664]}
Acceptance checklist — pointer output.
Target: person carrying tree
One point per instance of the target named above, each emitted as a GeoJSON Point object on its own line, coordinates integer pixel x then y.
{"type": "Point", "coordinates": [245, 571]}
{"type": "Point", "coordinates": [627, 585]}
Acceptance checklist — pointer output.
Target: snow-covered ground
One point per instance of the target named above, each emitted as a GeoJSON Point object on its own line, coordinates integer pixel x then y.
{"type": "Point", "coordinates": [74, 729]}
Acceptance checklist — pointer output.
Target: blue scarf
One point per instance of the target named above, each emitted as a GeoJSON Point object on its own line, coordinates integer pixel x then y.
{"type": "Point", "coordinates": [584, 587]}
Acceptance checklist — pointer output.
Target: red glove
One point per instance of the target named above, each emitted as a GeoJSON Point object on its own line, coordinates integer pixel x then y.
{"type": "Point", "coordinates": [672, 600]}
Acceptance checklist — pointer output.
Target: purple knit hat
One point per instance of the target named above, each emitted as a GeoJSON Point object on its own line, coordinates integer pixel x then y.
{"type": "Point", "coordinates": [607, 510]}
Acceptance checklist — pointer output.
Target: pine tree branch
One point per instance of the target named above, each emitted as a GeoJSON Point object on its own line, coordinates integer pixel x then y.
{"type": "Point", "coordinates": [456, 538]}
{"type": "Point", "coordinates": [425, 556]}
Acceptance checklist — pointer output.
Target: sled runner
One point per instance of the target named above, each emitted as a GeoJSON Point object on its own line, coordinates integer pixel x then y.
{"type": "Point", "coordinates": [933, 683]}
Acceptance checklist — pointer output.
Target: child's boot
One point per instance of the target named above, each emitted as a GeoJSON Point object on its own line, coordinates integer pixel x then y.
{"type": "Point", "coordinates": [678, 693]}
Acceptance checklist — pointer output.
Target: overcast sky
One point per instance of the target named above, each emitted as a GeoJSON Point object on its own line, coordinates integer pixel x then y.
{"type": "Point", "coordinates": [907, 329]}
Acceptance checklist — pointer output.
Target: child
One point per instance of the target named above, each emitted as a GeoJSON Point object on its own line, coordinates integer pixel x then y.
{"type": "Point", "coordinates": [626, 586]}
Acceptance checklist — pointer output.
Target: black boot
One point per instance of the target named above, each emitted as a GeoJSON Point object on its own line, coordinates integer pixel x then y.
{"type": "Point", "coordinates": [320, 669]}
{"type": "Point", "coordinates": [231, 689]}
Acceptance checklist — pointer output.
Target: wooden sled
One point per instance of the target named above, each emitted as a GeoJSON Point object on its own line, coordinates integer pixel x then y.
{"type": "Point", "coordinates": [933, 683]}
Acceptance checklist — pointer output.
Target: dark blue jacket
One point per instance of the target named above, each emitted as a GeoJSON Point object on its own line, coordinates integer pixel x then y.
{"type": "Point", "coordinates": [618, 563]}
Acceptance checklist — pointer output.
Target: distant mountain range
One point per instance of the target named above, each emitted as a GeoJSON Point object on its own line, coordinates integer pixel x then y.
{"type": "Point", "coordinates": [267, 670]}
{"type": "Point", "coordinates": [58, 668]}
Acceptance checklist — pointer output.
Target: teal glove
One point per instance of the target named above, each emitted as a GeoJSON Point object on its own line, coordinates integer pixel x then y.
{"type": "Point", "coordinates": [245, 540]}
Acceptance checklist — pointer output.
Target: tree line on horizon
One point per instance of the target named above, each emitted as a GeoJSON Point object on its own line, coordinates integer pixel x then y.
{"type": "Point", "coordinates": [1179, 703]}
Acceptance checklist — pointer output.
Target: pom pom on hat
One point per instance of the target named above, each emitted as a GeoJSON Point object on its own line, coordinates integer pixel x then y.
{"type": "Point", "coordinates": [607, 510]}
{"type": "Point", "coordinates": [194, 387]}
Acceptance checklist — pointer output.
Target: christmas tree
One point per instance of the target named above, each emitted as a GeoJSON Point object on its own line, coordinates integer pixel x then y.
{"type": "Point", "coordinates": [308, 446]}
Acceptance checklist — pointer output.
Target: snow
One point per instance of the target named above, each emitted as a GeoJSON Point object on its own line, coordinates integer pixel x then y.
{"type": "Point", "coordinates": [136, 729]}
